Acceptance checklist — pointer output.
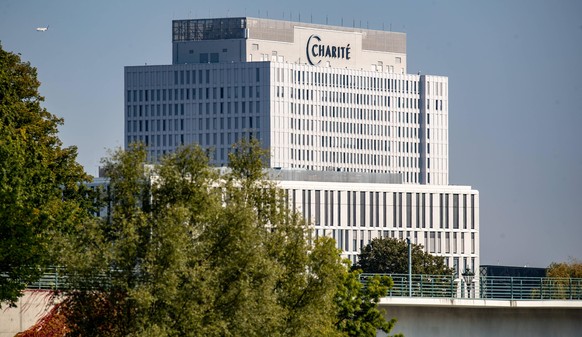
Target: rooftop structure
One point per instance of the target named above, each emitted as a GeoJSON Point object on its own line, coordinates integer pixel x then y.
{"type": "Point", "coordinates": [245, 39]}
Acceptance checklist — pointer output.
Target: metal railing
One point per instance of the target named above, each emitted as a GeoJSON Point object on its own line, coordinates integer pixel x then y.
{"type": "Point", "coordinates": [486, 287]}
{"type": "Point", "coordinates": [430, 286]}
{"type": "Point", "coordinates": [54, 279]}
{"type": "Point", "coordinates": [50, 280]}
{"type": "Point", "coordinates": [530, 288]}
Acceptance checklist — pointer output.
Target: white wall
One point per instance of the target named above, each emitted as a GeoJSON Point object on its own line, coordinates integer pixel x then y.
{"type": "Point", "coordinates": [30, 308]}
{"type": "Point", "coordinates": [435, 321]}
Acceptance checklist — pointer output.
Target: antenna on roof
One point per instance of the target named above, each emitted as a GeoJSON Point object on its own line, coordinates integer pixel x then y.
{"type": "Point", "coordinates": [367, 24]}
{"type": "Point", "coordinates": [299, 16]}
{"type": "Point", "coordinates": [326, 19]}
{"type": "Point", "coordinates": [311, 18]}
{"type": "Point", "coordinates": [353, 23]}
{"type": "Point", "coordinates": [267, 14]}
{"type": "Point", "coordinates": [342, 21]}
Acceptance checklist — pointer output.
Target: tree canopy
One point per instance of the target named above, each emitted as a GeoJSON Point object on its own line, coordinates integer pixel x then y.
{"type": "Point", "coordinates": [390, 256]}
{"type": "Point", "coordinates": [358, 314]}
{"type": "Point", "coordinates": [40, 180]}
{"type": "Point", "coordinates": [184, 250]}
{"type": "Point", "coordinates": [571, 269]}
{"type": "Point", "coordinates": [187, 251]}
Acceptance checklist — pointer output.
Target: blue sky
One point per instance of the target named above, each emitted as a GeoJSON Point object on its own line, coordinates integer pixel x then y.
{"type": "Point", "coordinates": [515, 91]}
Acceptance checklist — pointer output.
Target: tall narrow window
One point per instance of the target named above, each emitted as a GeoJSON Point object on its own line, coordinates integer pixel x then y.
{"type": "Point", "coordinates": [363, 209]}
{"type": "Point", "coordinates": [409, 210]}
{"type": "Point", "coordinates": [472, 211]}
{"type": "Point", "coordinates": [455, 211]}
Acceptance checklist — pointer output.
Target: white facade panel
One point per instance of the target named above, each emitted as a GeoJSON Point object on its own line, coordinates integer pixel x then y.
{"type": "Point", "coordinates": [312, 118]}
{"type": "Point", "coordinates": [368, 216]}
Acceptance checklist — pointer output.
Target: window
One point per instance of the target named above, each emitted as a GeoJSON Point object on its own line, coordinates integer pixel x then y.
{"type": "Point", "coordinates": [472, 211]}
{"type": "Point", "coordinates": [408, 210]}
{"type": "Point", "coordinates": [455, 211]}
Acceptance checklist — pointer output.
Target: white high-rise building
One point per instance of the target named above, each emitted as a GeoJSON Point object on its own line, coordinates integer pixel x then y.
{"type": "Point", "coordinates": [320, 98]}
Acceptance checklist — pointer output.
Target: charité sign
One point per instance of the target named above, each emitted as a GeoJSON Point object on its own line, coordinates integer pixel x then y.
{"type": "Point", "coordinates": [317, 50]}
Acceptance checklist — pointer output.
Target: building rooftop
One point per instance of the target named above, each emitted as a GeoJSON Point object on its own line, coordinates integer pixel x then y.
{"type": "Point", "coordinates": [277, 30]}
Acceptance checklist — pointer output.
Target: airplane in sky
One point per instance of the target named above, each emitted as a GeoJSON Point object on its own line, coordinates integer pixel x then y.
{"type": "Point", "coordinates": [42, 29]}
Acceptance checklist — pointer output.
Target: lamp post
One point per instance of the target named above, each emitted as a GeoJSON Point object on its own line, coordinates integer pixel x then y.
{"type": "Point", "coordinates": [409, 268]}
{"type": "Point", "coordinates": [468, 277]}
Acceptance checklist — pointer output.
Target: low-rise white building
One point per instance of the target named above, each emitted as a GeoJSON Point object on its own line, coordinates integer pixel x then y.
{"type": "Point", "coordinates": [444, 219]}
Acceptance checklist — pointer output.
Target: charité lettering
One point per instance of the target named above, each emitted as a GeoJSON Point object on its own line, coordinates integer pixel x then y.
{"type": "Point", "coordinates": [315, 49]}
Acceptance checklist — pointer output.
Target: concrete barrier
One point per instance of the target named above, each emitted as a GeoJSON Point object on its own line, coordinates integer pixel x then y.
{"type": "Point", "coordinates": [446, 317]}
{"type": "Point", "coordinates": [32, 306]}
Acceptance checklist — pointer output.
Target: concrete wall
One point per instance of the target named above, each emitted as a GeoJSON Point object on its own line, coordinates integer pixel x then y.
{"type": "Point", "coordinates": [487, 320]}
{"type": "Point", "coordinates": [30, 308]}
{"type": "Point", "coordinates": [417, 317]}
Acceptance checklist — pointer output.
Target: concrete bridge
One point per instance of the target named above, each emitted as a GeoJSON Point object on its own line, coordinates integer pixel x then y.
{"type": "Point", "coordinates": [417, 316]}
{"type": "Point", "coordinates": [439, 306]}
{"type": "Point", "coordinates": [483, 317]}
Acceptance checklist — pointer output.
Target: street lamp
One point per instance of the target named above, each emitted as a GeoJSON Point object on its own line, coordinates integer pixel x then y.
{"type": "Point", "coordinates": [468, 277]}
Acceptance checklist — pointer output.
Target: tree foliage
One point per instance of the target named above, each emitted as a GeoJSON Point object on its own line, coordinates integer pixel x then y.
{"type": "Point", "coordinates": [571, 269]}
{"type": "Point", "coordinates": [187, 251]}
{"type": "Point", "coordinates": [390, 256]}
{"type": "Point", "coordinates": [358, 314]}
{"type": "Point", "coordinates": [40, 181]}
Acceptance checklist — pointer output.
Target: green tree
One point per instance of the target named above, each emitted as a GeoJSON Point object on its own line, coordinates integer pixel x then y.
{"type": "Point", "coordinates": [189, 252]}
{"type": "Point", "coordinates": [40, 181]}
{"type": "Point", "coordinates": [390, 256]}
{"type": "Point", "coordinates": [358, 314]}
